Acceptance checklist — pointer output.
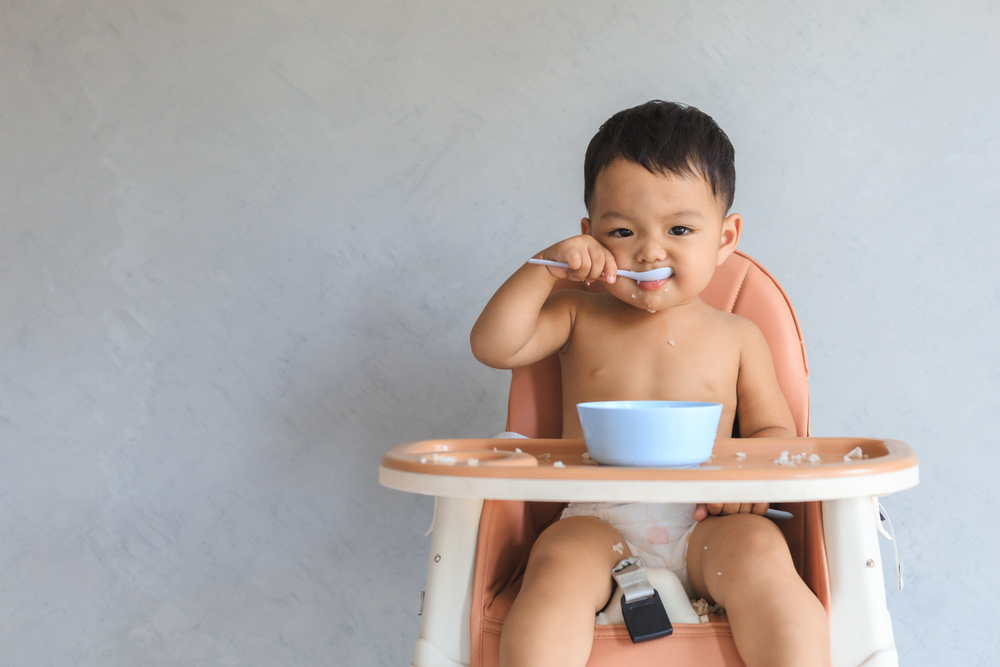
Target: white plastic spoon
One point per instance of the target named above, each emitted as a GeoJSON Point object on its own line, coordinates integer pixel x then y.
{"type": "Point", "coordinates": [638, 276]}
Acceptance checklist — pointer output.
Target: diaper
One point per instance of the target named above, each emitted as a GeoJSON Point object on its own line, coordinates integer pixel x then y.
{"type": "Point", "coordinates": [657, 533]}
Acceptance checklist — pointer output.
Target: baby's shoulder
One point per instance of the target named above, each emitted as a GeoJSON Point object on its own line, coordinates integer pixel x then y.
{"type": "Point", "coordinates": [735, 326]}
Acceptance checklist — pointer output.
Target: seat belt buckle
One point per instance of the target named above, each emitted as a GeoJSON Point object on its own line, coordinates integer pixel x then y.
{"type": "Point", "coordinates": [645, 616]}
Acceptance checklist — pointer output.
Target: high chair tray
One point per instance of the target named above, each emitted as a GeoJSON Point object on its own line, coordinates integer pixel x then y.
{"type": "Point", "coordinates": [740, 470]}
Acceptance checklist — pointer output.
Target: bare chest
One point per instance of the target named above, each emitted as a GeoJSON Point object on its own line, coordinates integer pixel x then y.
{"type": "Point", "coordinates": [656, 360]}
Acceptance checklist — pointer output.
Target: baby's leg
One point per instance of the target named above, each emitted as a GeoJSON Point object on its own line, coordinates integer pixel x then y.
{"type": "Point", "coordinates": [567, 581]}
{"type": "Point", "coordinates": [742, 562]}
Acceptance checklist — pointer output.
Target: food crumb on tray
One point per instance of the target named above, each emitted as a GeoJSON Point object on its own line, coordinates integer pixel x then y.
{"type": "Point", "coordinates": [440, 458]}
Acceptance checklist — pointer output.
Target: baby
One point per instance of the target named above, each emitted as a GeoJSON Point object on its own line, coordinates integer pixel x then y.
{"type": "Point", "coordinates": [658, 184]}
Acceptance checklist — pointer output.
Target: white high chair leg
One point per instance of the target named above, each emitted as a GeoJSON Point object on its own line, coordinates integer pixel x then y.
{"type": "Point", "coordinates": [860, 629]}
{"type": "Point", "coordinates": [444, 626]}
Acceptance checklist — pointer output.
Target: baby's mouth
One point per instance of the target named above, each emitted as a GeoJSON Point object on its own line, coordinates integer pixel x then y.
{"type": "Point", "coordinates": [652, 285]}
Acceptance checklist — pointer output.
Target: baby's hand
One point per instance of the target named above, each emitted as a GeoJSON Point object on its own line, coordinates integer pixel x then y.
{"type": "Point", "coordinates": [588, 260]}
{"type": "Point", "coordinates": [702, 511]}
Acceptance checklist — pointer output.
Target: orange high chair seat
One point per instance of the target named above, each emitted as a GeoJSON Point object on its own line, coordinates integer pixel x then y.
{"type": "Point", "coordinates": [508, 529]}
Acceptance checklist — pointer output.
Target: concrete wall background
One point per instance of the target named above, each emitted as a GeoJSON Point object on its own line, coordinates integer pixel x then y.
{"type": "Point", "coordinates": [230, 243]}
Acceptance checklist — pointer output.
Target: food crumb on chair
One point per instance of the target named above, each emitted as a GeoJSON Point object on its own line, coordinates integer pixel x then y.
{"type": "Point", "coordinates": [472, 461]}
{"type": "Point", "coordinates": [558, 464]}
{"type": "Point", "coordinates": [703, 609]}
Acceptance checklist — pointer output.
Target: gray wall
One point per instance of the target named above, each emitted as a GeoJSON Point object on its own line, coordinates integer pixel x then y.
{"type": "Point", "coordinates": [232, 245]}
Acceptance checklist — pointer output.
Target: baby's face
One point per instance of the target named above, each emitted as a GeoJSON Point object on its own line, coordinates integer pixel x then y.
{"type": "Point", "coordinates": [649, 221]}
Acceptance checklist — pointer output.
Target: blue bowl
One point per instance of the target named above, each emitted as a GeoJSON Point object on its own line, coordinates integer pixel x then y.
{"type": "Point", "coordinates": [661, 434]}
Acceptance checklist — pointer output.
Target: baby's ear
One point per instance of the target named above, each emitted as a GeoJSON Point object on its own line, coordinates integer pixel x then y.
{"type": "Point", "coordinates": [585, 226]}
{"type": "Point", "coordinates": [732, 227]}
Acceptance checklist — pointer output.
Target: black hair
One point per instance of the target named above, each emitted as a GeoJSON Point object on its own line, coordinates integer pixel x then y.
{"type": "Point", "coordinates": [664, 137]}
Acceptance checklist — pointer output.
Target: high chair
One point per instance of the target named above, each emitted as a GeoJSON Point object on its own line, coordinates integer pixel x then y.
{"type": "Point", "coordinates": [493, 497]}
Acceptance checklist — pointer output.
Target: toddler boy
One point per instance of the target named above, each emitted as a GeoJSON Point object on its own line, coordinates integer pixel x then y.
{"type": "Point", "coordinates": [659, 181]}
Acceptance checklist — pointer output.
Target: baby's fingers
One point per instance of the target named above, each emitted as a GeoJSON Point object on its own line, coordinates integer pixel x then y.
{"type": "Point", "coordinates": [598, 263]}
{"type": "Point", "coordinates": [715, 509]}
{"type": "Point", "coordinates": [725, 509]}
{"type": "Point", "coordinates": [610, 273]}
{"type": "Point", "coordinates": [579, 265]}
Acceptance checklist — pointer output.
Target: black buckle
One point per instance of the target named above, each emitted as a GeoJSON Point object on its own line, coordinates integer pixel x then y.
{"type": "Point", "coordinates": [646, 618]}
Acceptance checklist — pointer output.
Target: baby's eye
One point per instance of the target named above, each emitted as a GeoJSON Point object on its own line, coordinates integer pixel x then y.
{"type": "Point", "coordinates": [679, 230]}
{"type": "Point", "coordinates": [622, 233]}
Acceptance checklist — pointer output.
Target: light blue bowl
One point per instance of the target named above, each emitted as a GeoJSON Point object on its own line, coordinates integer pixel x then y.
{"type": "Point", "coordinates": [659, 434]}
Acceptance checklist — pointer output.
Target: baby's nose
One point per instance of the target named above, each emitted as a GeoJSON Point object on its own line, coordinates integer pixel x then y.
{"type": "Point", "coordinates": [651, 250]}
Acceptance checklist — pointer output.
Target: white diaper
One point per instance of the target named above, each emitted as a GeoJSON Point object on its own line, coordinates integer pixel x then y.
{"type": "Point", "coordinates": [656, 532]}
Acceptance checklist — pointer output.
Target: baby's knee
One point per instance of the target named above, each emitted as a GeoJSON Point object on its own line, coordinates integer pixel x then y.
{"type": "Point", "coordinates": [573, 562]}
{"type": "Point", "coordinates": [754, 541]}
{"type": "Point", "coordinates": [580, 542]}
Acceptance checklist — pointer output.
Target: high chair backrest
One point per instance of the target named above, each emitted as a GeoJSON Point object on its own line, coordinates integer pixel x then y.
{"type": "Point", "coordinates": [508, 528]}
{"type": "Point", "coordinates": [740, 286]}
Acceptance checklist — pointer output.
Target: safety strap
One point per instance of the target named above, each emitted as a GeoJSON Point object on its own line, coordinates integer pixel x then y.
{"type": "Point", "coordinates": [632, 578]}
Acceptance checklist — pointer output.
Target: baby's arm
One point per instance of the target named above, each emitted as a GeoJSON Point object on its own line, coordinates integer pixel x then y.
{"type": "Point", "coordinates": [522, 323]}
{"type": "Point", "coordinates": [760, 406]}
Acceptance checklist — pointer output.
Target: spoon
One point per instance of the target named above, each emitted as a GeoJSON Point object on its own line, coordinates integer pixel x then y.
{"type": "Point", "coordinates": [638, 276]}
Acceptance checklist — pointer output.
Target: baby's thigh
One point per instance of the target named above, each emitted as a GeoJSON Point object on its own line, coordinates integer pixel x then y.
{"type": "Point", "coordinates": [735, 549]}
{"type": "Point", "coordinates": [577, 553]}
